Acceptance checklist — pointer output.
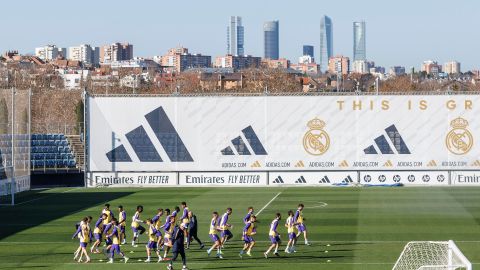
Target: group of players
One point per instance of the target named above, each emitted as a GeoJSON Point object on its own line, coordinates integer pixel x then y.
{"type": "Point", "coordinates": [178, 232]}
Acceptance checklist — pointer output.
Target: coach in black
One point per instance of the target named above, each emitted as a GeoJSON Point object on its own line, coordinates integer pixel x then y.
{"type": "Point", "coordinates": [193, 228]}
{"type": "Point", "coordinates": [178, 239]}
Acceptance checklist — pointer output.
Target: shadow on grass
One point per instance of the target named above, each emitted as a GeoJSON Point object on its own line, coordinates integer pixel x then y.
{"type": "Point", "coordinates": [35, 208]}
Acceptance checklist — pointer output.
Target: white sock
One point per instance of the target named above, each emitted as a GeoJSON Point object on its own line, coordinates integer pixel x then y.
{"type": "Point", "coordinates": [276, 250]}
{"type": "Point", "coordinates": [210, 250]}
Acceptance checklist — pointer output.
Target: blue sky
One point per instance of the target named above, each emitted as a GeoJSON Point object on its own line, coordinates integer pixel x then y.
{"type": "Point", "coordinates": [398, 32]}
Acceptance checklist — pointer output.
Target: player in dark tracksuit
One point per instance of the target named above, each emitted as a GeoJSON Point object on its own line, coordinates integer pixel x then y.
{"type": "Point", "coordinates": [178, 239]}
{"type": "Point", "coordinates": [193, 229]}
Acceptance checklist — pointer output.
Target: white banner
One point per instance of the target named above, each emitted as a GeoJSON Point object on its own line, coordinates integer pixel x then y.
{"type": "Point", "coordinates": [465, 178]}
{"type": "Point", "coordinates": [126, 179]}
{"type": "Point", "coordinates": [424, 178]}
{"type": "Point", "coordinates": [218, 179]}
{"type": "Point", "coordinates": [314, 178]}
{"type": "Point", "coordinates": [22, 183]}
{"type": "Point", "coordinates": [283, 133]}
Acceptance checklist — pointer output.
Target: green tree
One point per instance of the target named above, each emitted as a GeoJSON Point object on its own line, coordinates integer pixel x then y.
{"type": "Point", "coordinates": [79, 117]}
{"type": "Point", "coordinates": [3, 116]}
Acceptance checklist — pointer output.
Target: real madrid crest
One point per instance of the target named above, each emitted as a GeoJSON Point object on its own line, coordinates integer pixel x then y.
{"type": "Point", "coordinates": [316, 141]}
{"type": "Point", "coordinates": [459, 140]}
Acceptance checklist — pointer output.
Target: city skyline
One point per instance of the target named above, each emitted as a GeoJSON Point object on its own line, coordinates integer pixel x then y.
{"type": "Point", "coordinates": [397, 35]}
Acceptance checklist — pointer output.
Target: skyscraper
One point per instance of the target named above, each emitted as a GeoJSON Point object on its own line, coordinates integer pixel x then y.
{"type": "Point", "coordinates": [308, 50]}
{"type": "Point", "coordinates": [235, 36]}
{"type": "Point", "coordinates": [326, 41]}
{"type": "Point", "coordinates": [359, 41]}
{"type": "Point", "coordinates": [271, 40]}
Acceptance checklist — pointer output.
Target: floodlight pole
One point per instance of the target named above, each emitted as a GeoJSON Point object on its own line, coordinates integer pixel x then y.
{"type": "Point", "coordinates": [12, 186]}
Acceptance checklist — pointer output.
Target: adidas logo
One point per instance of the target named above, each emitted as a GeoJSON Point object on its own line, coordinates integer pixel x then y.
{"type": "Point", "coordinates": [256, 164]}
{"type": "Point", "coordinates": [347, 180]}
{"type": "Point", "coordinates": [278, 180]}
{"type": "Point", "coordinates": [301, 180]}
{"type": "Point", "coordinates": [324, 180]}
{"type": "Point", "coordinates": [476, 163]}
{"type": "Point", "coordinates": [299, 164]}
{"type": "Point", "coordinates": [240, 143]}
{"type": "Point", "coordinates": [143, 146]}
{"type": "Point", "coordinates": [343, 164]}
{"type": "Point", "coordinates": [388, 164]}
{"type": "Point", "coordinates": [432, 163]}
{"type": "Point", "coordinates": [383, 145]}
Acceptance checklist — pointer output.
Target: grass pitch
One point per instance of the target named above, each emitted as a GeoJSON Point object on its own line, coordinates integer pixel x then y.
{"type": "Point", "coordinates": [366, 228]}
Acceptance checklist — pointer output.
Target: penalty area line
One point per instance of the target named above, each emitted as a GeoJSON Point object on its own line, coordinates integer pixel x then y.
{"type": "Point", "coordinates": [266, 205]}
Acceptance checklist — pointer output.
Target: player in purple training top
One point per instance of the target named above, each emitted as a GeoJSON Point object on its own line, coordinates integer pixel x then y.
{"type": "Point", "coordinates": [213, 235]}
{"type": "Point", "coordinates": [115, 247]}
{"type": "Point", "coordinates": [84, 237]}
{"type": "Point", "coordinates": [298, 218]}
{"type": "Point", "coordinates": [225, 227]}
{"type": "Point", "coordinates": [157, 223]}
{"type": "Point", "coordinates": [185, 221]}
{"type": "Point", "coordinates": [152, 244]}
{"type": "Point", "coordinates": [97, 233]}
{"type": "Point", "coordinates": [168, 229]}
{"type": "Point", "coordinates": [136, 227]}
{"type": "Point", "coordinates": [274, 236]}
{"type": "Point", "coordinates": [78, 234]}
{"type": "Point", "coordinates": [246, 219]}
{"type": "Point", "coordinates": [248, 233]}
{"type": "Point", "coordinates": [122, 220]}
{"type": "Point", "coordinates": [292, 237]}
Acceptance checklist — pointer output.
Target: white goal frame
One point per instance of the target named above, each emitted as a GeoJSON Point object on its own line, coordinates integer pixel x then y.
{"type": "Point", "coordinates": [454, 258]}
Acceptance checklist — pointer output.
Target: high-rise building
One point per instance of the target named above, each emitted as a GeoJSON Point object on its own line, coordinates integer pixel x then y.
{"type": "Point", "coordinates": [397, 71]}
{"type": "Point", "coordinates": [87, 54]}
{"type": "Point", "coordinates": [180, 59]}
{"type": "Point", "coordinates": [235, 36]}
{"type": "Point", "coordinates": [271, 40]}
{"type": "Point", "coordinates": [360, 66]}
{"type": "Point", "coordinates": [452, 67]}
{"type": "Point", "coordinates": [326, 41]}
{"type": "Point", "coordinates": [308, 50]}
{"type": "Point", "coordinates": [431, 67]}
{"type": "Point", "coordinates": [116, 52]}
{"type": "Point", "coordinates": [359, 41]}
{"type": "Point", "coordinates": [237, 61]}
{"type": "Point", "coordinates": [47, 53]}
{"type": "Point", "coordinates": [339, 64]}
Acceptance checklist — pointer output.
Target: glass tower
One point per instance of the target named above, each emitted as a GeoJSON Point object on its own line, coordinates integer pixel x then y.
{"type": "Point", "coordinates": [271, 40]}
{"type": "Point", "coordinates": [308, 50]}
{"type": "Point", "coordinates": [326, 42]}
{"type": "Point", "coordinates": [235, 36]}
{"type": "Point", "coordinates": [359, 41]}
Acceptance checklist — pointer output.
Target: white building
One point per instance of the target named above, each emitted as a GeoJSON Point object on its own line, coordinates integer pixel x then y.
{"type": "Point", "coordinates": [72, 81]}
{"type": "Point", "coordinates": [452, 67]}
{"type": "Point", "coordinates": [360, 66]}
{"type": "Point", "coordinates": [305, 59]}
{"type": "Point", "coordinates": [47, 53]}
{"type": "Point", "coordinates": [85, 53]}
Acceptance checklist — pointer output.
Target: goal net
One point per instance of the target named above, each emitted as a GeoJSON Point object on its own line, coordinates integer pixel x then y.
{"type": "Point", "coordinates": [429, 255]}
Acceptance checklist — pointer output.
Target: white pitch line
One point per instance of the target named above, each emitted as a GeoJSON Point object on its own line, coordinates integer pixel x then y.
{"type": "Point", "coordinates": [266, 205]}
{"type": "Point", "coordinates": [44, 197]}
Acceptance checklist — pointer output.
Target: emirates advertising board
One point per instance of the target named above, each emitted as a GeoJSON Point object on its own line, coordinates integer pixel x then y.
{"type": "Point", "coordinates": [283, 133]}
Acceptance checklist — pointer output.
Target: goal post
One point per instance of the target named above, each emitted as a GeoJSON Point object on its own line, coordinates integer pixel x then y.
{"type": "Point", "coordinates": [432, 255]}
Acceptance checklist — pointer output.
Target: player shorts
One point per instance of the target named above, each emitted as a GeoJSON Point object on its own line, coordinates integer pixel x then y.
{"type": "Point", "coordinates": [275, 239]}
{"type": "Point", "coordinates": [122, 229]}
{"type": "Point", "coordinates": [292, 235]}
{"type": "Point", "coordinates": [158, 234]}
{"type": "Point", "coordinates": [98, 236]}
{"type": "Point", "coordinates": [83, 244]}
{"type": "Point", "coordinates": [227, 233]}
{"type": "Point", "coordinates": [152, 245]}
{"type": "Point", "coordinates": [301, 228]}
{"type": "Point", "coordinates": [115, 248]}
{"type": "Point", "coordinates": [185, 225]}
{"type": "Point", "coordinates": [248, 239]}
{"type": "Point", "coordinates": [138, 229]}
{"type": "Point", "coordinates": [214, 237]}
